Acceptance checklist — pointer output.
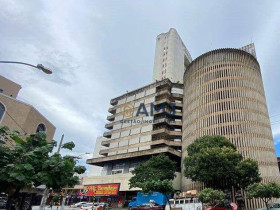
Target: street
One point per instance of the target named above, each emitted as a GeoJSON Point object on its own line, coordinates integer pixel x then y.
{"type": "Point", "coordinates": [55, 208]}
{"type": "Point", "coordinates": [68, 208]}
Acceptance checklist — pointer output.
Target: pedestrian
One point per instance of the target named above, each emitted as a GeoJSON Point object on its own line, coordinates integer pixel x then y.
{"type": "Point", "coordinates": [51, 204]}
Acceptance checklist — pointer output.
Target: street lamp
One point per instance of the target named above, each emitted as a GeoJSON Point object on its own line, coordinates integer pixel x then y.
{"type": "Point", "coordinates": [39, 66]}
{"type": "Point", "coordinates": [79, 156]}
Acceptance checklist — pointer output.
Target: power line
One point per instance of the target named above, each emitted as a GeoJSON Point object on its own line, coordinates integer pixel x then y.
{"type": "Point", "coordinates": [275, 115]}
{"type": "Point", "coordinates": [276, 122]}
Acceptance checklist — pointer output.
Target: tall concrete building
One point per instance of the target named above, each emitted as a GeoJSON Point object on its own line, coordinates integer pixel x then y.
{"type": "Point", "coordinates": [18, 115]}
{"type": "Point", "coordinates": [143, 123]}
{"type": "Point", "coordinates": [171, 57]}
{"type": "Point", "coordinates": [219, 93]}
{"type": "Point", "coordinates": [224, 95]}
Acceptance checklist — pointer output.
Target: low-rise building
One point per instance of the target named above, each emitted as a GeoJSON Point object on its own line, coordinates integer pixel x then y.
{"type": "Point", "coordinates": [18, 115]}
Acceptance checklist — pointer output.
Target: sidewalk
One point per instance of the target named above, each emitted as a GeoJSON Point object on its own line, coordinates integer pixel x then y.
{"type": "Point", "coordinates": [55, 208]}
{"type": "Point", "coordinates": [70, 208]}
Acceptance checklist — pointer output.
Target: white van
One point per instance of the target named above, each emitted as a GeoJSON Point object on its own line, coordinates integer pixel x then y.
{"type": "Point", "coordinates": [184, 204]}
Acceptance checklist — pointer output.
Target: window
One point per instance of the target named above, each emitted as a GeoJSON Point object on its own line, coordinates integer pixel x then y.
{"type": "Point", "coordinates": [133, 165]}
{"type": "Point", "coordinates": [117, 171]}
{"type": "Point", "coordinates": [2, 111]}
{"type": "Point", "coordinates": [118, 166]}
{"type": "Point", "coordinates": [41, 128]}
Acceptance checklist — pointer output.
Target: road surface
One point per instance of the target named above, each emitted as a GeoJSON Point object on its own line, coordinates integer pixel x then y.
{"type": "Point", "coordinates": [55, 208]}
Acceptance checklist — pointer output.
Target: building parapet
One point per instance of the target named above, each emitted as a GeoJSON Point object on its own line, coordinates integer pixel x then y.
{"type": "Point", "coordinates": [148, 143]}
{"type": "Point", "coordinates": [155, 84]}
{"type": "Point", "coordinates": [101, 160]}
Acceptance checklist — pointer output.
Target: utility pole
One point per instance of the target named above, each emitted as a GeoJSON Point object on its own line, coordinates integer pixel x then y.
{"type": "Point", "coordinates": [46, 191]}
{"type": "Point", "coordinates": [60, 144]}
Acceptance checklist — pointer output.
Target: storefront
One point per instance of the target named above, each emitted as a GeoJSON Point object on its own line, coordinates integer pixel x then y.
{"type": "Point", "coordinates": [107, 193]}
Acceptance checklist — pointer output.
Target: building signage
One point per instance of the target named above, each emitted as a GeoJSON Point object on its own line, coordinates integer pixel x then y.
{"type": "Point", "coordinates": [100, 189]}
{"type": "Point", "coordinates": [128, 109]}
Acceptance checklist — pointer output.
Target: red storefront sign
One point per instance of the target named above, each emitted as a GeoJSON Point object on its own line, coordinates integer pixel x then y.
{"type": "Point", "coordinates": [100, 189]}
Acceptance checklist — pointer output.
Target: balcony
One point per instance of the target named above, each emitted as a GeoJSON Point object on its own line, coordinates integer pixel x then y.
{"type": "Point", "coordinates": [114, 102]}
{"type": "Point", "coordinates": [165, 149]}
{"type": "Point", "coordinates": [109, 126]}
{"type": "Point", "coordinates": [169, 121]}
{"type": "Point", "coordinates": [167, 132]}
{"type": "Point", "coordinates": [169, 113]}
{"type": "Point", "coordinates": [176, 123]}
{"type": "Point", "coordinates": [107, 134]}
{"type": "Point", "coordinates": [162, 92]}
{"type": "Point", "coordinates": [162, 142]}
{"type": "Point", "coordinates": [111, 118]}
{"type": "Point", "coordinates": [177, 95]}
{"type": "Point", "coordinates": [112, 110]}
{"type": "Point", "coordinates": [106, 143]}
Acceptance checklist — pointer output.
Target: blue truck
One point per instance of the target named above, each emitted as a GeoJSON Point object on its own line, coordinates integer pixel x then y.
{"type": "Point", "coordinates": [142, 198]}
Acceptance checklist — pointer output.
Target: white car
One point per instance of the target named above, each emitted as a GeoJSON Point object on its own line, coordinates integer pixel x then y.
{"type": "Point", "coordinates": [89, 206]}
{"type": "Point", "coordinates": [80, 204]}
{"type": "Point", "coordinates": [93, 206]}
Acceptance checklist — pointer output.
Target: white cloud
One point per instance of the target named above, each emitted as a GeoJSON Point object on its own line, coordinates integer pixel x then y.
{"type": "Point", "coordinates": [100, 49]}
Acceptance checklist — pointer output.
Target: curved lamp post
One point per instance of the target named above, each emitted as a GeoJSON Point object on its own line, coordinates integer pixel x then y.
{"type": "Point", "coordinates": [80, 156]}
{"type": "Point", "coordinates": [46, 71]}
{"type": "Point", "coordinates": [39, 66]}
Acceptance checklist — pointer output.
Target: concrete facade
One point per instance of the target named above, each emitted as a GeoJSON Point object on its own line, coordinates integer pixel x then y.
{"type": "Point", "coordinates": [132, 139]}
{"type": "Point", "coordinates": [224, 95]}
{"type": "Point", "coordinates": [171, 57]}
{"type": "Point", "coordinates": [8, 87]}
{"type": "Point", "coordinates": [20, 116]}
{"type": "Point", "coordinates": [96, 170]}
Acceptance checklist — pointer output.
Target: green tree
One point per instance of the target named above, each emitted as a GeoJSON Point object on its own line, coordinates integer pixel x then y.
{"type": "Point", "coordinates": [211, 197]}
{"type": "Point", "coordinates": [263, 191]}
{"type": "Point", "coordinates": [156, 174]}
{"type": "Point", "coordinates": [247, 173]}
{"type": "Point", "coordinates": [215, 161]}
{"type": "Point", "coordinates": [27, 162]}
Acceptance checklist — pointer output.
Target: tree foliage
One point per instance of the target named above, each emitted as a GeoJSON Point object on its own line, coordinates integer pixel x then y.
{"type": "Point", "coordinates": [209, 142]}
{"type": "Point", "coordinates": [68, 145]}
{"type": "Point", "coordinates": [156, 174]}
{"type": "Point", "coordinates": [211, 197]}
{"type": "Point", "coordinates": [263, 191]}
{"type": "Point", "coordinates": [28, 161]}
{"type": "Point", "coordinates": [247, 173]}
{"type": "Point", "coordinates": [215, 161]}
{"type": "Point", "coordinates": [20, 163]}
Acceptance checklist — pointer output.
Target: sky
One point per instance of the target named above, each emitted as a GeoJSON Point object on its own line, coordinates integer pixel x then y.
{"type": "Point", "coordinates": [98, 50]}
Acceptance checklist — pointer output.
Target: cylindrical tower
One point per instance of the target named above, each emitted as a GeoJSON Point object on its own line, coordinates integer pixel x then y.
{"type": "Point", "coordinates": [224, 95]}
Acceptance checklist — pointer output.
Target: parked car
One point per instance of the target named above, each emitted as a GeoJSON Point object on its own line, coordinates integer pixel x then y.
{"type": "Point", "coordinates": [80, 204]}
{"type": "Point", "coordinates": [188, 203]}
{"type": "Point", "coordinates": [231, 206]}
{"type": "Point", "coordinates": [94, 206]}
{"type": "Point", "coordinates": [143, 198]}
{"type": "Point", "coordinates": [148, 206]}
{"type": "Point", "coordinates": [87, 206]}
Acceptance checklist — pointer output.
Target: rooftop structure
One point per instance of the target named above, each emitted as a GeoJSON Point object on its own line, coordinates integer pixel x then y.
{"type": "Point", "coordinates": [171, 57]}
